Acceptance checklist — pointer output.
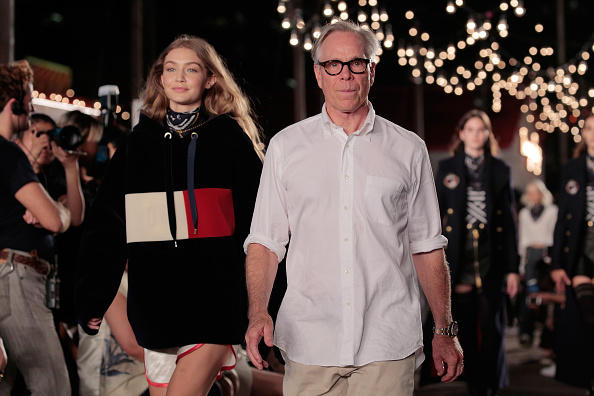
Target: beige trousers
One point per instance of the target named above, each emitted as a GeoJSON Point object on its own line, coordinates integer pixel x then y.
{"type": "Point", "coordinates": [393, 378]}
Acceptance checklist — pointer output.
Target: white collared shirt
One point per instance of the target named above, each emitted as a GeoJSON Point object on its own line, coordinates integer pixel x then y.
{"type": "Point", "coordinates": [356, 208]}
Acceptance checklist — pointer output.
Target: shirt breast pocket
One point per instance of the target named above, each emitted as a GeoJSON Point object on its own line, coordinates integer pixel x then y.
{"type": "Point", "coordinates": [385, 200]}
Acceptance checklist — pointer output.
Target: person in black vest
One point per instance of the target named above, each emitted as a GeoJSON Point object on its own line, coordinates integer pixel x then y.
{"type": "Point", "coordinates": [476, 202]}
{"type": "Point", "coordinates": [573, 263]}
{"type": "Point", "coordinates": [175, 203]}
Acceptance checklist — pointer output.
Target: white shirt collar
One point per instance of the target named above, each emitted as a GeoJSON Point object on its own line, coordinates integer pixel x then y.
{"type": "Point", "coordinates": [365, 130]}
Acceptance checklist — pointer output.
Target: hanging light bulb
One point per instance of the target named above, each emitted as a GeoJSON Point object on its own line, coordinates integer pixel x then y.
{"type": "Point", "coordinates": [389, 34]}
{"type": "Point", "coordinates": [281, 8]}
{"type": "Point", "coordinates": [316, 31]}
{"type": "Point", "coordinates": [328, 11]}
{"type": "Point", "coordinates": [294, 40]}
{"type": "Point", "coordinates": [450, 7]}
{"type": "Point", "coordinates": [307, 43]}
{"type": "Point", "coordinates": [286, 23]}
{"type": "Point", "coordinates": [300, 24]}
{"type": "Point", "coordinates": [471, 24]}
{"type": "Point", "coordinates": [375, 16]}
{"type": "Point", "coordinates": [520, 10]}
{"type": "Point", "coordinates": [502, 25]}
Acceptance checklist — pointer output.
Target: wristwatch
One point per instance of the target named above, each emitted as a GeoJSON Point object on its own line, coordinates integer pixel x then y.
{"type": "Point", "coordinates": [450, 331]}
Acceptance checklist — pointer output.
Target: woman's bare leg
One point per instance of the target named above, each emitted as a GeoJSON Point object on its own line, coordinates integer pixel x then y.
{"type": "Point", "coordinates": [156, 391]}
{"type": "Point", "coordinates": [196, 372]}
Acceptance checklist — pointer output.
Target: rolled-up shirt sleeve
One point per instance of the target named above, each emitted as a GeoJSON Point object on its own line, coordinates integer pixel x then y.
{"type": "Point", "coordinates": [270, 223]}
{"type": "Point", "coordinates": [424, 229]}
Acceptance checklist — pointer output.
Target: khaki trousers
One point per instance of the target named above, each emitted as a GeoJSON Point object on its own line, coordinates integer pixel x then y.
{"type": "Point", "coordinates": [393, 378]}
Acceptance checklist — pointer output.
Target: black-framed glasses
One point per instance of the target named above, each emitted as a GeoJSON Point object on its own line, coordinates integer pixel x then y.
{"type": "Point", "coordinates": [334, 67]}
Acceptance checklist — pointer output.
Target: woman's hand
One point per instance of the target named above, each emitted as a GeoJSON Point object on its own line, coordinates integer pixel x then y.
{"type": "Point", "coordinates": [94, 324]}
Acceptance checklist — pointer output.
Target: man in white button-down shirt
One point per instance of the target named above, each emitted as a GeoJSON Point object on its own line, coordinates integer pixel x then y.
{"type": "Point", "coordinates": [355, 193]}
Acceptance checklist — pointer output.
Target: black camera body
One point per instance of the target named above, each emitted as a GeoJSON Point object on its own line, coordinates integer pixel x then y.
{"type": "Point", "coordinates": [68, 137]}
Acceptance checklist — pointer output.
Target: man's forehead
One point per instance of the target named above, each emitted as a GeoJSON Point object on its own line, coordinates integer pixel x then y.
{"type": "Point", "coordinates": [341, 44]}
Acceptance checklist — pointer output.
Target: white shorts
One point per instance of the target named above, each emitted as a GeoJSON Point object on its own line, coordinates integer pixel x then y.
{"type": "Point", "coordinates": [159, 364]}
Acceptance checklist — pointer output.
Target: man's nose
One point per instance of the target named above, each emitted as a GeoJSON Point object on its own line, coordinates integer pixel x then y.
{"type": "Point", "coordinates": [346, 73]}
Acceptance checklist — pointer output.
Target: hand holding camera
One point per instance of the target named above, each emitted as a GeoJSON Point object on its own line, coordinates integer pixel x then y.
{"type": "Point", "coordinates": [68, 138]}
{"type": "Point", "coordinates": [39, 144]}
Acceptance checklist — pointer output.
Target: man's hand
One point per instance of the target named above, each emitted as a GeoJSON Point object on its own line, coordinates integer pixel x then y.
{"type": "Point", "coordinates": [30, 219]}
{"type": "Point", "coordinates": [3, 357]}
{"type": "Point", "coordinates": [261, 326]}
{"type": "Point", "coordinates": [513, 284]}
{"type": "Point", "coordinates": [447, 357]}
{"type": "Point", "coordinates": [561, 280]}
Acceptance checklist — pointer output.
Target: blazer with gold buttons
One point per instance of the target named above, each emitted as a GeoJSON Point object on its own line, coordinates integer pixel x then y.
{"type": "Point", "coordinates": [501, 218]}
{"type": "Point", "coordinates": [570, 229]}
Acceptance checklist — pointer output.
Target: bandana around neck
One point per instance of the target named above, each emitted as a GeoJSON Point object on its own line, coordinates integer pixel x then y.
{"type": "Point", "coordinates": [182, 122]}
{"type": "Point", "coordinates": [474, 163]}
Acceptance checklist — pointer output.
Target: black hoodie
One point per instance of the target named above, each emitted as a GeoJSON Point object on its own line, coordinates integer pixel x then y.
{"type": "Point", "coordinates": [186, 263]}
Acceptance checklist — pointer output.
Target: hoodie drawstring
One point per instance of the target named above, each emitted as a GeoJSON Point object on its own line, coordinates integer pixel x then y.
{"type": "Point", "coordinates": [190, 174]}
{"type": "Point", "coordinates": [169, 187]}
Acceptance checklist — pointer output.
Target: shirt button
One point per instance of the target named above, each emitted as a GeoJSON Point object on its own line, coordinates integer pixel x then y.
{"type": "Point", "coordinates": [347, 272]}
{"type": "Point", "coordinates": [346, 176]}
{"type": "Point", "coordinates": [348, 303]}
{"type": "Point", "coordinates": [346, 239]}
{"type": "Point", "coordinates": [347, 145]}
{"type": "Point", "coordinates": [346, 208]}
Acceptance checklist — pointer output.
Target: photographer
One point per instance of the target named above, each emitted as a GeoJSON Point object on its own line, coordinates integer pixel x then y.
{"type": "Point", "coordinates": [28, 219]}
{"type": "Point", "coordinates": [42, 144]}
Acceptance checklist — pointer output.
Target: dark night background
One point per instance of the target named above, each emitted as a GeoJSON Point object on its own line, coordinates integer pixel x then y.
{"type": "Point", "coordinates": [94, 40]}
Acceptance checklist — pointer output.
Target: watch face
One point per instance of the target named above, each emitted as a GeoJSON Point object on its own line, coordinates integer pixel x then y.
{"type": "Point", "coordinates": [454, 329]}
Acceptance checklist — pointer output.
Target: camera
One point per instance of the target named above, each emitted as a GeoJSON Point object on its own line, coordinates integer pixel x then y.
{"type": "Point", "coordinates": [68, 137]}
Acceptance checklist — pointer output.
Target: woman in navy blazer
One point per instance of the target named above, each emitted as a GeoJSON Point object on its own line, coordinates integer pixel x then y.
{"type": "Point", "coordinates": [573, 264]}
{"type": "Point", "coordinates": [476, 201]}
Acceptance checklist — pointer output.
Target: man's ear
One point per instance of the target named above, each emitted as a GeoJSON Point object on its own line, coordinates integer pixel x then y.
{"type": "Point", "coordinates": [317, 72]}
{"type": "Point", "coordinates": [10, 105]}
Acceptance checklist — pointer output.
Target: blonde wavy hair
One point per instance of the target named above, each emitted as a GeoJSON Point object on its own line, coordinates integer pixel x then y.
{"type": "Point", "coordinates": [90, 128]}
{"type": "Point", "coordinates": [223, 97]}
{"type": "Point", "coordinates": [547, 197]}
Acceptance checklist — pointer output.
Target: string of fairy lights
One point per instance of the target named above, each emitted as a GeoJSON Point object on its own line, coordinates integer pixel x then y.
{"type": "Point", "coordinates": [367, 13]}
{"type": "Point", "coordinates": [552, 96]}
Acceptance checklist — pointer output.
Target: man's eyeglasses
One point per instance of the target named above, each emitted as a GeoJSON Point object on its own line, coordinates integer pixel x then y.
{"type": "Point", "coordinates": [334, 67]}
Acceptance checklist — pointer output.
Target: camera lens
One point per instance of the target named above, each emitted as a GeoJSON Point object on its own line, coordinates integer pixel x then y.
{"type": "Point", "coordinates": [68, 137]}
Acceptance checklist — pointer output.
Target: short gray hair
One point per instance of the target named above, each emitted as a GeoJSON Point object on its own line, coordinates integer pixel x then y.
{"type": "Point", "coordinates": [372, 44]}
